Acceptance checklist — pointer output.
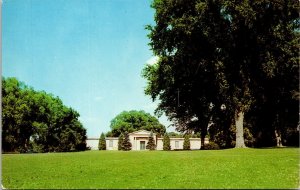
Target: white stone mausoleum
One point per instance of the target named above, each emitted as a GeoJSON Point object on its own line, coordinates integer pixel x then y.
{"type": "Point", "coordinates": [139, 140]}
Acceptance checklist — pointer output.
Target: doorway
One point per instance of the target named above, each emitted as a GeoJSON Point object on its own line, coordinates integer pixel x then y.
{"type": "Point", "coordinates": [142, 145]}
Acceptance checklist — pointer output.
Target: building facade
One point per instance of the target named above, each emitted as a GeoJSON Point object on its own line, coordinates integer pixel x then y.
{"type": "Point", "coordinates": [139, 140]}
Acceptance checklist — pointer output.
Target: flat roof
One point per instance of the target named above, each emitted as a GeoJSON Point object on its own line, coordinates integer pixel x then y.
{"type": "Point", "coordinates": [112, 138]}
{"type": "Point", "coordinates": [179, 138]}
{"type": "Point", "coordinates": [92, 138]}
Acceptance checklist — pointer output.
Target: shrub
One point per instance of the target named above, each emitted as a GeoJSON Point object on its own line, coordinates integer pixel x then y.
{"type": "Point", "coordinates": [291, 137]}
{"type": "Point", "coordinates": [102, 143]}
{"type": "Point", "coordinates": [211, 146]}
{"type": "Point", "coordinates": [186, 143]}
{"type": "Point", "coordinates": [88, 148]}
{"type": "Point", "coordinates": [120, 142]}
{"type": "Point", "coordinates": [151, 144]}
{"type": "Point", "coordinates": [248, 137]}
{"type": "Point", "coordinates": [126, 143]}
{"type": "Point", "coordinates": [196, 135]}
{"type": "Point", "coordinates": [34, 147]}
{"type": "Point", "coordinates": [223, 137]}
{"type": "Point", "coordinates": [166, 142]}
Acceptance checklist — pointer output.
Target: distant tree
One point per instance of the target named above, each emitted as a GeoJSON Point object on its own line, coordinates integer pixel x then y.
{"type": "Point", "coordinates": [186, 143]}
{"type": "Point", "coordinates": [126, 143]}
{"type": "Point", "coordinates": [102, 142]}
{"type": "Point", "coordinates": [129, 121]}
{"type": "Point", "coordinates": [166, 142]}
{"type": "Point", "coordinates": [151, 144]}
{"type": "Point", "coordinates": [109, 134]}
{"type": "Point", "coordinates": [120, 142]}
{"type": "Point", "coordinates": [174, 134]}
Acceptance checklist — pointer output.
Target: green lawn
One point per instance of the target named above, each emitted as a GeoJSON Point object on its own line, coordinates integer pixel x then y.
{"type": "Point", "coordinates": [233, 168]}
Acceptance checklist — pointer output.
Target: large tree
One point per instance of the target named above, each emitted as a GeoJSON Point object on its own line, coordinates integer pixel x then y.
{"type": "Point", "coordinates": [37, 121]}
{"type": "Point", "coordinates": [262, 56]}
{"type": "Point", "coordinates": [129, 121]}
{"type": "Point", "coordinates": [186, 37]}
{"type": "Point", "coordinates": [221, 53]}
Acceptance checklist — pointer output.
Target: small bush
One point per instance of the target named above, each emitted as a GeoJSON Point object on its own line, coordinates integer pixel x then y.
{"type": "Point", "coordinates": [88, 148]}
{"type": "Point", "coordinates": [211, 146]}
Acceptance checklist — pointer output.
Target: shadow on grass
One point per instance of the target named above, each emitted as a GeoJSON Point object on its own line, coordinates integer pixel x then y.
{"type": "Point", "coordinates": [277, 147]}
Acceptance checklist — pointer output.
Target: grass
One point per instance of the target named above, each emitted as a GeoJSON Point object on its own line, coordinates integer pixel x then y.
{"type": "Point", "coordinates": [233, 168]}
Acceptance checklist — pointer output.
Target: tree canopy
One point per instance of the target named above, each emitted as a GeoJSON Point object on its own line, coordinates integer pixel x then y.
{"type": "Point", "coordinates": [37, 121]}
{"type": "Point", "coordinates": [129, 121]}
{"type": "Point", "coordinates": [237, 55]}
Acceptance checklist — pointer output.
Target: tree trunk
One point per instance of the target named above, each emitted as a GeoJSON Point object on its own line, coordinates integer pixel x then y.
{"type": "Point", "coordinates": [202, 142]}
{"type": "Point", "coordinates": [203, 134]}
{"type": "Point", "coordinates": [239, 119]}
{"type": "Point", "coordinates": [278, 138]}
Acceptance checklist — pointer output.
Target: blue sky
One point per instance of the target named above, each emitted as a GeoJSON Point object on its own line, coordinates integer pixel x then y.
{"type": "Point", "coordinates": [90, 53]}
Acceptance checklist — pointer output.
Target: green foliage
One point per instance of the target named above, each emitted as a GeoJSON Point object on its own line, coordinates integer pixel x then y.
{"type": "Point", "coordinates": [166, 142]}
{"type": "Point", "coordinates": [184, 40]}
{"type": "Point", "coordinates": [126, 145]}
{"type": "Point", "coordinates": [102, 142]}
{"type": "Point", "coordinates": [223, 137]}
{"type": "Point", "coordinates": [226, 138]}
{"type": "Point", "coordinates": [120, 142]}
{"type": "Point", "coordinates": [196, 135]}
{"type": "Point", "coordinates": [124, 142]}
{"type": "Point", "coordinates": [291, 137]}
{"type": "Point", "coordinates": [211, 146]}
{"type": "Point", "coordinates": [109, 134]}
{"type": "Point", "coordinates": [151, 143]}
{"type": "Point", "coordinates": [243, 54]}
{"type": "Point", "coordinates": [130, 121]}
{"type": "Point", "coordinates": [38, 122]}
{"type": "Point", "coordinates": [186, 143]}
{"type": "Point", "coordinates": [174, 134]}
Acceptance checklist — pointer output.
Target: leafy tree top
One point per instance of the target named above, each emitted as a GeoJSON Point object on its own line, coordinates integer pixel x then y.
{"type": "Point", "coordinates": [38, 118]}
{"type": "Point", "coordinates": [228, 52]}
{"type": "Point", "coordinates": [129, 121]}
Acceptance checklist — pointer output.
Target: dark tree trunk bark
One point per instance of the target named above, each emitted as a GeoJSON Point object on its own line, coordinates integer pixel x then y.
{"type": "Point", "coordinates": [203, 134]}
{"type": "Point", "coordinates": [202, 142]}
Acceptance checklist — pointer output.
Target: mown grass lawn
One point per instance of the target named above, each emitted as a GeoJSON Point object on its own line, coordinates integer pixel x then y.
{"type": "Point", "coordinates": [233, 168]}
